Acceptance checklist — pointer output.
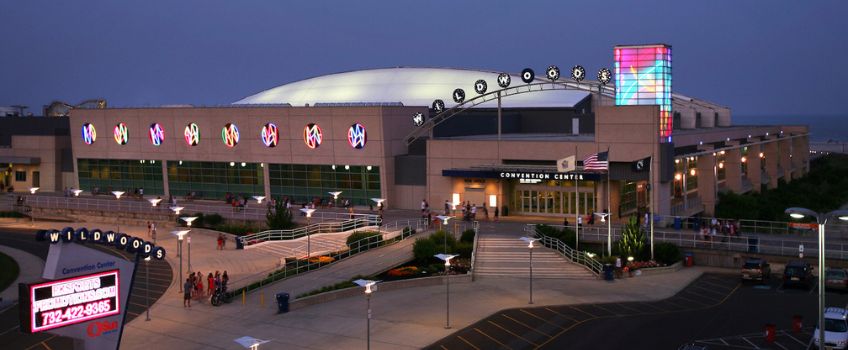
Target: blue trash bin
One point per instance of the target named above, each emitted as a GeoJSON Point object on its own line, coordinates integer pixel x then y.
{"type": "Point", "coordinates": [239, 243]}
{"type": "Point", "coordinates": [608, 272]}
{"type": "Point", "coordinates": [678, 224]}
{"type": "Point", "coordinates": [282, 302]}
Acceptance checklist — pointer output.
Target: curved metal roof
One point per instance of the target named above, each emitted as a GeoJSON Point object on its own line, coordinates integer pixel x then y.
{"type": "Point", "coordinates": [409, 86]}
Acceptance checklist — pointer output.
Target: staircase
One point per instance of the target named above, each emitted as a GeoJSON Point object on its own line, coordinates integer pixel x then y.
{"type": "Point", "coordinates": [508, 256]}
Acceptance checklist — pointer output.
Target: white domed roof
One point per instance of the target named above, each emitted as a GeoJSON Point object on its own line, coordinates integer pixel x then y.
{"type": "Point", "coordinates": [409, 86]}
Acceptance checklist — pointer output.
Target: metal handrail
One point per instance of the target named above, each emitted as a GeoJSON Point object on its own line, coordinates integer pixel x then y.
{"type": "Point", "coordinates": [474, 248]}
{"type": "Point", "coordinates": [277, 274]}
{"type": "Point", "coordinates": [280, 235]}
{"type": "Point", "coordinates": [579, 257]}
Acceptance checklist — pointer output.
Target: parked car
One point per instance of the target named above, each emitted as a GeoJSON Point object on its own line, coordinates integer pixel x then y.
{"type": "Point", "coordinates": [836, 279]}
{"type": "Point", "coordinates": [798, 273]}
{"type": "Point", "coordinates": [692, 346]}
{"type": "Point", "coordinates": [835, 329]}
{"type": "Point", "coordinates": [756, 269]}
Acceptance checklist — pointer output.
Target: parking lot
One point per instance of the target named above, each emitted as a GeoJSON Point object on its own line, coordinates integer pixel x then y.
{"type": "Point", "coordinates": [715, 310]}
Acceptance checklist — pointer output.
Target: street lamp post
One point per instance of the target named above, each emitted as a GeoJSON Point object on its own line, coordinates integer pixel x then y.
{"type": "Point", "coordinates": [335, 195]}
{"type": "Point", "coordinates": [447, 258]}
{"type": "Point", "coordinates": [530, 246]}
{"type": "Point", "coordinates": [32, 191]}
{"type": "Point", "coordinates": [379, 202]}
{"type": "Point", "coordinates": [445, 219]}
{"type": "Point", "coordinates": [147, 286]}
{"type": "Point", "coordinates": [188, 220]}
{"type": "Point", "coordinates": [118, 195]}
{"type": "Point", "coordinates": [76, 192]}
{"type": "Point", "coordinates": [821, 220]}
{"type": "Point", "coordinates": [370, 286]}
{"type": "Point", "coordinates": [308, 212]}
{"type": "Point", "coordinates": [605, 217]}
{"type": "Point", "coordinates": [180, 235]}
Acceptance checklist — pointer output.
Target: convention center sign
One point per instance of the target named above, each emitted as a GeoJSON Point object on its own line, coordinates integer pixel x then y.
{"type": "Point", "coordinates": [86, 291]}
{"type": "Point", "coordinates": [521, 175]}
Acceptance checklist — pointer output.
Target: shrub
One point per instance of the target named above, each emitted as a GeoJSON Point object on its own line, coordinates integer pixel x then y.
{"type": "Point", "coordinates": [200, 221]}
{"type": "Point", "coordinates": [323, 259]}
{"type": "Point", "coordinates": [280, 218]}
{"type": "Point", "coordinates": [464, 249]}
{"type": "Point", "coordinates": [467, 236]}
{"type": "Point", "coordinates": [424, 249]}
{"type": "Point", "coordinates": [10, 214]}
{"type": "Point", "coordinates": [213, 220]}
{"type": "Point", "coordinates": [667, 253]}
{"type": "Point", "coordinates": [566, 235]}
{"type": "Point", "coordinates": [440, 237]}
{"type": "Point", "coordinates": [368, 237]}
{"type": "Point", "coordinates": [238, 230]}
{"type": "Point", "coordinates": [632, 242]}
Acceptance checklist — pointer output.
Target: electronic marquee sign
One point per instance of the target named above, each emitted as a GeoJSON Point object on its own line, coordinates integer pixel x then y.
{"type": "Point", "coordinates": [643, 77]}
{"type": "Point", "coordinates": [70, 301]}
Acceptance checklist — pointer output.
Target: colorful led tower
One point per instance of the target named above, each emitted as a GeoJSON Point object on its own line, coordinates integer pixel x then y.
{"type": "Point", "coordinates": [643, 77]}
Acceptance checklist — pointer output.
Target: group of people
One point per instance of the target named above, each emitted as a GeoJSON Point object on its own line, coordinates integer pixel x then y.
{"type": "Point", "coordinates": [715, 227]}
{"type": "Point", "coordinates": [193, 287]}
{"type": "Point", "coordinates": [151, 231]}
{"type": "Point", "coordinates": [469, 210]}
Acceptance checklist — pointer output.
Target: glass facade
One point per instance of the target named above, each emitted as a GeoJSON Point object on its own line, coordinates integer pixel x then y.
{"type": "Point", "coordinates": [629, 198]}
{"type": "Point", "coordinates": [106, 175]}
{"type": "Point", "coordinates": [552, 197]}
{"type": "Point", "coordinates": [213, 180]}
{"type": "Point", "coordinates": [305, 182]}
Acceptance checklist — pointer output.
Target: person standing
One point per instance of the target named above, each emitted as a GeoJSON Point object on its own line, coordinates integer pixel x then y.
{"type": "Point", "coordinates": [187, 287]}
{"type": "Point", "coordinates": [210, 284]}
{"type": "Point", "coordinates": [149, 229]}
{"type": "Point", "coordinates": [496, 214]}
{"type": "Point", "coordinates": [447, 207]}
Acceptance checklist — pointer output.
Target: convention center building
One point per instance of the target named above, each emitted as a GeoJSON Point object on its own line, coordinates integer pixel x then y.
{"type": "Point", "coordinates": [548, 142]}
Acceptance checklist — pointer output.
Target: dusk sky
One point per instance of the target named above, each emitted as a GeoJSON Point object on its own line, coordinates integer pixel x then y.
{"type": "Point", "coordinates": [757, 57]}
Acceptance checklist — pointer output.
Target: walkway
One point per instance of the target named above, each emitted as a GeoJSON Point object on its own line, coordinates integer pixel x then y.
{"type": "Point", "coordinates": [314, 245]}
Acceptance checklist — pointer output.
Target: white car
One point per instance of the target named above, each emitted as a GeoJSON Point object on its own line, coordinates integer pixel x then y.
{"type": "Point", "coordinates": [835, 329]}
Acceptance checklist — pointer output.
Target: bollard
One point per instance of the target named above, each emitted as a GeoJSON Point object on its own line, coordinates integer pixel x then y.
{"type": "Point", "coordinates": [796, 323]}
{"type": "Point", "coordinates": [770, 330]}
{"type": "Point", "coordinates": [243, 296]}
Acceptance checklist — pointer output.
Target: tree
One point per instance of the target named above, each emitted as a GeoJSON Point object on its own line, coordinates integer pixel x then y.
{"type": "Point", "coordinates": [632, 242]}
{"type": "Point", "coordinates": [279, 218]}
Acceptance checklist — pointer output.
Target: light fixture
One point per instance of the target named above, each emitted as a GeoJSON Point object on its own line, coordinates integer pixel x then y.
{"type": "Point", "coordinates": [767, 134]}
{"type": "Point", "coordinates": [370, 286]}
{"type": "Point", "coordinates": [368, 168]}
{"type": "Point", "coordinates": [77, 192]}
{"type": "Point", "coordinates": [232, 163]}
{"type": "Point", "coordinates": [181, 162]}
{"type": "Point", "coordinates": [118, 194]}
{"type": "Point", "coordinates": [677, 161]}
{"type": "Point", "coordinates": [700, 142]}
{"type": "Point", "coordinates": [721, 165]}
{"type": "Point", "coordinates": [32, 190]}
{"type": "Point", "coordinates": [797, 215]}
{"type": "Point", "coordinates": [243, 164]}
{"type": "Point", "coordinates": [692, 172]}
{"type": "Point", "coordinates": [728, 139]}
{"type": "Point", "coordinates": [177, 210]}
{"type": "Point", "coordinates": [749, 136]}
{"type": "Point", "coordinates": [335, 194]}
{"type": "Point", "coordinates": [180, 233]}
{"type": "Point", "coordinates": [722, 152]}
{"type": "Point", "coordinates": [154, 201]}
{"type": "Point", "coordinates": [762, 155]}
{"type": "Point", "coordinates": [333, 166]}
{"type": "Point", "coordinates": [444, 218]}
{"type": "Point", "coordinates": [744, 159]}
{"type": "Point", "coordinates": [258, 199]}
{"type": "Point", "coordinates": [347, 167]}
{"type": "Point", "coordinates": [308, 211]}
{"type": "Point", "coordinates": [630, 258]}
{"type": "Point", "coordinates": [493, 200]}
{"type": "Point", "coordinates": [678, 176]}
{"type": "Point", "coordinates": [152, 162]}
{"type": "Point", "coordinates": [188, 219]}
{"type": "Point", "coordinates": [141, 161]}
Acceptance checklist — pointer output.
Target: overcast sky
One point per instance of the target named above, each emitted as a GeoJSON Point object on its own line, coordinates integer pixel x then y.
{"type": "Point", "coordinates": [757, 57]}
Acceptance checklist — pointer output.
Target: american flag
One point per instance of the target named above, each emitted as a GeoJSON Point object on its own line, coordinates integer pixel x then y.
{"type": "Point", "coordinates": [597, 161]}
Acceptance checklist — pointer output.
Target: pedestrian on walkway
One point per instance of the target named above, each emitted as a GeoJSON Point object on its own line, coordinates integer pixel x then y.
{"type": "Point", "coordinates": [496, 214]}
{"type": "Point", "coordinates": [447, 207]}
{"type": "Point", "coordinates": [210, 283]}
{"type": "Point", "coordinates": [153, 231]}
{"type": "Point", "coordinates": [187, 293]}
{"type": "Point", "coordinates": [220, 242]}
{"type": "Point", "coordinates": [149, 229]}
{"type": "Point", "coordinates": [198, 290]}
{"type": "Point", "coordinates": [224, 280]}
{"type": "Point", "coordinates": [486, 212]}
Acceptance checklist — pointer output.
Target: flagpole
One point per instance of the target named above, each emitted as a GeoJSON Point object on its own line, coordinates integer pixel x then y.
{"type": "Point", "coordinates": [576, 207]}
{"type": "Point", "coordinates": [609, 205]}
{"type": "Point", "coordinates": [651, 200]}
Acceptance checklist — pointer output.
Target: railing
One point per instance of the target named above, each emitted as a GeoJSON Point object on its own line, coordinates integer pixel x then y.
{"type": "Point", "coordinates": [474, 248]}
{"type": "Point", "coordinates": [744, 225]}
{"type": "Point", "coordinates": [252, 211]}
{"type": "Point", "coordinates": [576, 256]}
{"type": "Point", "coordinates": [323, 227]}
{"type": "Point", "coordinates": [742, 244]}
{"type": "Point", "coordinates": [293, 268]}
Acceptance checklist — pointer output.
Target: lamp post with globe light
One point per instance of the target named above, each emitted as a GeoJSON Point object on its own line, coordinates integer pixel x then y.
{"type": "Point", "coordinates": [445, 219]}
{"type": "Point", "coordinates": [530, 247]}
{"type": "Point", "coordinates": [447, 258]}
{"type": "Point", "coordinates": [821, 220]}
{"type": "Point", "coordinates": [180, 234]}
{"type": "Point", "coordinates": [605, 217]}
{"type": "Point", "coordinates": [335, 195]}
{"type": "Point", "coordinates": [118, 195]}
{"type": "Point", "coordinates": [370, 286]}
{"type": "Point", "coordinates": [188, 220]}
{"type": "Point", "coordinates": [308, 212]}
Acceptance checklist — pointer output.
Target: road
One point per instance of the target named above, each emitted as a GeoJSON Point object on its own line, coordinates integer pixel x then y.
{"type": "Point", "coordinates": [715, 309]}
{"type": "Point", "coordinates": [11, 338]}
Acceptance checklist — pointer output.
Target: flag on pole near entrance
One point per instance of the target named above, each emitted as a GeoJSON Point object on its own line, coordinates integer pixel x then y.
{"type": "Point", "coordinates": [567, 164]}
{"type": "Point", "coordinates": [597, 161]}
{"type": "Point", "coordinates": [641, 165]}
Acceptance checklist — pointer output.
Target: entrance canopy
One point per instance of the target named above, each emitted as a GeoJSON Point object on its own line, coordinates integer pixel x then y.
{"type": "Point", "coordinates": [528, 173]}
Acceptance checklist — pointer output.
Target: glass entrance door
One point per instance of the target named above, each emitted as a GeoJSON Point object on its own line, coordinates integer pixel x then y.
{"type": "Point", "coordinates": [553, 202]}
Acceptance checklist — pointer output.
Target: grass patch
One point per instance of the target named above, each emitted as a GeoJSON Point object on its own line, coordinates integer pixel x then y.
{"type": "Point", "coordinates": [9, 271]}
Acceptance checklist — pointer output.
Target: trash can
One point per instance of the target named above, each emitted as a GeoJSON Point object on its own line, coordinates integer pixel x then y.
{"type": "Point", "coordinates": [282, 302]}
{"type": "Point", "coordinates": [608, 272]}
{"type": "Point", "coordinates": [678, 224]}
{"type": "Point", "coordinates": [753, 245]}
{"type": "Point", "coordinates": [239, 243]}
{"type": "Point", "coordinates": [688, 259]}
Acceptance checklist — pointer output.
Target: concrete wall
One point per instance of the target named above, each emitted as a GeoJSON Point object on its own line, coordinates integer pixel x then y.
{"type": "Point", "coordinates": [45, 148]}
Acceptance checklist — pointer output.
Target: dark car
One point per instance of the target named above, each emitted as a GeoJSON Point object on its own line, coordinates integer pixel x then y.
{"type": "Point", "coordinates": [836, 279]}
{"type": "Point", "coordinates": [798, 273]}
{"type": "Point", "coordinates": [756, 270]}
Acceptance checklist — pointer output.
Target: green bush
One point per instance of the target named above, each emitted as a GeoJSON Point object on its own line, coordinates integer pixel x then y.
{"type": "Point", "coordinates": [10, 214]}
{"type": "Point", "coordinates": [667, 253]}
{"type": "Point", "coordinates": [464, 249]}
{"type": "Point", "coordinates": [200, 221]}
{"type": "Point", "coordinates": [280, 218]}
{"type": "Point", "coordinates": [369, 236]}
{"type": "Point", "coordinates": [632, 242]}
{"type": "Point", "coordinates": [439, 239]}
{"type": "Point", "coordinates": [237, 229]}
{"type": "Point", "coordinates": [467, 236]}
{"type": "Point", "coordinates": [566, 235]}
{"type": "Point", "coordinates": [424, 249]}
{"type": "Point", "coordinates": [213, 220]}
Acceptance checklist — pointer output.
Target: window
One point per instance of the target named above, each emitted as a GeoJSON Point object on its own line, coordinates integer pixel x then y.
{"type": "Point", "coordinates": [302, 182]}
{"type": "Point", "coordinates": [20, 176]}
{"type": "Point", "coordinates": [107, 175]}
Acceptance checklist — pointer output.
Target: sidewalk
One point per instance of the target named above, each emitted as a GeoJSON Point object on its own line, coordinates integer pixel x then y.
{"type": "Point", "coordinates": [30, 269]}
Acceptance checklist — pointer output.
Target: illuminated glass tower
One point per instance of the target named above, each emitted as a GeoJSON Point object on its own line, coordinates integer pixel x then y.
{"type": "Point", "coordinates": [643, 77]}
